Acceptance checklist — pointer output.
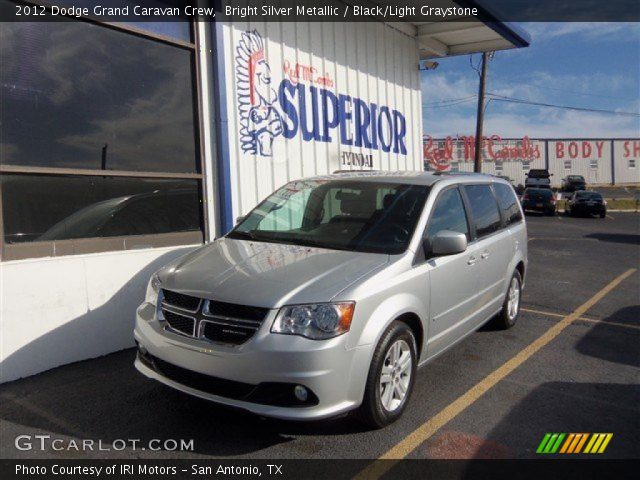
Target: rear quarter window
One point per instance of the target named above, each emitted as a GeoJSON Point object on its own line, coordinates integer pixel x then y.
{"type": "Point", "coordinates": [508, 203]}
{"type": "Point", "coordinates": [484, 209]}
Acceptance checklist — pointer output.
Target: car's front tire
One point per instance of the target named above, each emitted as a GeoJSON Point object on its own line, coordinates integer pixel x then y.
{"type": "Point", "coordinates": [391, 377]}
{"type": "Point", "coordinates": [508, 316]}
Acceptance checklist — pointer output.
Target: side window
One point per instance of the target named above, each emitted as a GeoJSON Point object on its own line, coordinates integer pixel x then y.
{"type": "Point", "coordinates": [508, 203]}
{"type": "Point", "coordinates": [484, 209]}
{"type": "Point", "coordinates": [448, 214]}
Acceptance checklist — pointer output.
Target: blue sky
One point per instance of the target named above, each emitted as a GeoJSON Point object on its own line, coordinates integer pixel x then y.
{"type": "Point", "coordinates": [591, 65]}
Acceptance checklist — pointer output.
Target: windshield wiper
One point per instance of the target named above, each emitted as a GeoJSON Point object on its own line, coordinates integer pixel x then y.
{"type": "Point", "coordinates": [240, 235]}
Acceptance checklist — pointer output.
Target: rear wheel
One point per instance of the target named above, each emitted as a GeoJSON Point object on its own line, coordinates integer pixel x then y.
{"type": "Point", "coordinates": [391, 377]}
{"type": "Point", "coordinates": [602, 215]}
{"type": "Point", "coordinates": [508, 316]}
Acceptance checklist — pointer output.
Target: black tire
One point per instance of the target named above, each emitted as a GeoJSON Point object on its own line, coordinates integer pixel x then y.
{"type": "Point", "coordinates": [372, 412]}
{"type": "Point", "coordinates": [602, 215]}
{"type": "Point", "coordinates": [503, 320]}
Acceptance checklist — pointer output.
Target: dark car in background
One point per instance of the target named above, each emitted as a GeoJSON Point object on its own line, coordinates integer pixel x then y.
{"type": "Point", "coordinates": [539, 200]}
{"type": "Point", "coordinates": [586, 203]}
{"type": "Point", "coordinates": [573, 183]}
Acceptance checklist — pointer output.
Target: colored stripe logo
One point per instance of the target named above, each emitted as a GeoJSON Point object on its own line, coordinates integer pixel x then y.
{"type": "Point", "coordinates": [574, 443]}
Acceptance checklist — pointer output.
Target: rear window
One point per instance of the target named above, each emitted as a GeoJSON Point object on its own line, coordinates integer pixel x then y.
{"type": "Point", "coordinates": [508, 203]}
{"type": "Point", "coordinates": [483, 208]}
{"type": "Point", "coordinates": [591, 195]}
{"type": "Point", "coordinates": [538, 173]}
{"type": "Point", "coordinates": [541, 192]}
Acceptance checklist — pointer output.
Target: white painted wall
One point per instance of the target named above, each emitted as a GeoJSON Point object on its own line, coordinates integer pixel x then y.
{"type": "Point", "coordinates": [626, 155]}
{"type": "Point", "coordinates": [370, 61]}
{"type": "Point", "coordinates": [59, 310]}
{"type": "Point", "coordinates": [589, 158]}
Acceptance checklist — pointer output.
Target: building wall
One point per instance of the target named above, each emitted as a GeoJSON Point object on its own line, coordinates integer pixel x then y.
{"type": "Point", "coordinates": [589, 158]}
{"type": "Point", "coordinates": [626, 155]}
{"type": "Point", "coordinates": [599, 161]}
{"type": "Point", "coordinates": [370, 61]}
{"type": "Point", "coordinates": [64, 309]}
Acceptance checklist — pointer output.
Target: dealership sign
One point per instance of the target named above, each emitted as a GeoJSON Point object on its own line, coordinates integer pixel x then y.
{"type": "Point", "coordinates": [305, 105]}
{"type": "Point", "coordinates": [440, 153]}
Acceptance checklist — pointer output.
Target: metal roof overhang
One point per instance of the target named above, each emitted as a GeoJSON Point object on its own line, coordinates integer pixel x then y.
{"type": "Point", "coordinates": [463, 36]}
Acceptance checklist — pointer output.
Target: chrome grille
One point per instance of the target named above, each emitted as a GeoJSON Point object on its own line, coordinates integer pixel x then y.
{"type": "Point", "coordinates": [182, 324]}
{"type": "Point", "coordinates": [210, 320]}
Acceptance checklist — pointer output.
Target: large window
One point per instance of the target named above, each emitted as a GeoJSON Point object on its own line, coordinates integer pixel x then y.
{"type": "Point", "coordinates": [99, 136]}
{"type": "Point", "coordinates": [484, 209]}
{"type": "Point", "coordinates": [362, 216]}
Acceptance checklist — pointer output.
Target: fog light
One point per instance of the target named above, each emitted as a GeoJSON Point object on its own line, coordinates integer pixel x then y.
{"type": "Point", "coordinates": [301, 393]}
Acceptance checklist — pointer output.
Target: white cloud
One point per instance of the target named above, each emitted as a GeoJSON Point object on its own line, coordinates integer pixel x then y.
{"type": "Point", "coordinates": [543, 124]}
{"type": "Point", "coordinates": [437, 87]}
{"type": "Point", "coordinates": [541, 32]}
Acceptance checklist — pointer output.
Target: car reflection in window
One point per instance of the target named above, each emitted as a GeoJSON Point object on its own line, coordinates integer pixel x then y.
{"type": "Point", "coordinates": [161, 211]}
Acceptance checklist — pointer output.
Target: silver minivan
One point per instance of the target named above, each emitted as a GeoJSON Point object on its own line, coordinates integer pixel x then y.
{"type": "Point", "coordinates": [329, 294]}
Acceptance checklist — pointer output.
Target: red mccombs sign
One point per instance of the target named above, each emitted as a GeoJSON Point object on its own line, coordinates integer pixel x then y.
{"type": "Point", "coordinates": [440, 153]}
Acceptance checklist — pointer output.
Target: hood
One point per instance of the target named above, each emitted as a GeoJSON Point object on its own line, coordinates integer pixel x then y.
{"type": "Point", "coordinates": [267, 274]}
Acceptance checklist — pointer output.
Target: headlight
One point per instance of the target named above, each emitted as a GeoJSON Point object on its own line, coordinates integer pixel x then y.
{"type": "Point", "coordinates": [316, 321]}
{"type": "Point", "coordinates": [153, 289]}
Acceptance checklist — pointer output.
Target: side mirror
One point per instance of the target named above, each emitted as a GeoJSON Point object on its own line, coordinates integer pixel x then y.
{"type": "Point", "coordinates": [447, 242]}
{"type": "Point", "coordinates": [239, 219]}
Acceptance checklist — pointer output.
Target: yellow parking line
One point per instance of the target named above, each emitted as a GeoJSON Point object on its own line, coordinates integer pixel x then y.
{"type": "Point", "coordinates": [582, 319]}
{"type": "Point", "coordinates": [376, 469]}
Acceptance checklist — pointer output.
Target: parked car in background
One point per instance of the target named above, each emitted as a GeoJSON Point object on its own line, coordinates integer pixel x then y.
{"type": "Point", "coordinates": [572, 183]}
{"type": "Point", "coordinates": [539, 200]}
{"type": "Point", "coordinates": [507, 178]}
{"type": "Point", "coordinates": [586, 203]}
{"type": "Point", "coordinates": [538, 178]}
{"type": "Point", "coordinates": [329, 294]}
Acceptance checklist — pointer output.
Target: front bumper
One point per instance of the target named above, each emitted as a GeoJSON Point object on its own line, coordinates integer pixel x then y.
{"type": "Point", "coordinates": [334, 374]}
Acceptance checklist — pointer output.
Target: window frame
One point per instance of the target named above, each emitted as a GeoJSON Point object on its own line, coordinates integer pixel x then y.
{"type": "Point", "coordinates": [55, 248]}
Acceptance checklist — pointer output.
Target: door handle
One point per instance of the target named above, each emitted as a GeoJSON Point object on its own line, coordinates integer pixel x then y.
{"type": "Point", "coordinates": [471, 260]}
{"type": "Point", "coordinates": [484, 254]}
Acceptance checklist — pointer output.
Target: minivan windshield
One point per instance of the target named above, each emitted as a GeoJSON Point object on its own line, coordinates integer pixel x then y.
{"type": "Point", "coordinates": [355, 215]}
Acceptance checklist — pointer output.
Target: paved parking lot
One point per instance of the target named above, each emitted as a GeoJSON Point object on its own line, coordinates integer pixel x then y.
{"type": "Point", "coordinates": [583, 377]}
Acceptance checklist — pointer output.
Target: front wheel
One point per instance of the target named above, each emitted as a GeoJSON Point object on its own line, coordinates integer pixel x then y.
{"type": "Point", "coordinates": [391, 377]}
{"type": "Point", "coordinates": [511, 307]}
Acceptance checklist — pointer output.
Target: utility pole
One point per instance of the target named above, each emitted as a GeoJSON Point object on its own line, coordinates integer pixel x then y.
{"type": "Point", "coordinates": [477, 161]}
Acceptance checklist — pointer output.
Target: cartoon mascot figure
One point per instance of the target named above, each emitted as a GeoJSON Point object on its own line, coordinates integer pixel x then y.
{"type": "Point", "coordinates": [260, 121]}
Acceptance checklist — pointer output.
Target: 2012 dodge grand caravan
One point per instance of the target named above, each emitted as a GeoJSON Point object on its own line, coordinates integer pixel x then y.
{"type": "Point", "coordinates": [331, 292]}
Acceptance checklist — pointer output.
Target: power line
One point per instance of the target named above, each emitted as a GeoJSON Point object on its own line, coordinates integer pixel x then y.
{"type": "Point", "coordinates": [448, 100]}
{"type": "Point", "coordinates": [503, 98]}
{"type": "Point", "coordinates": [460, 102]}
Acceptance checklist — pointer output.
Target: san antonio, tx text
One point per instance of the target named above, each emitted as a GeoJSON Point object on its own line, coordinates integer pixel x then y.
{"type": "Point", "coordinates": [142, 469]}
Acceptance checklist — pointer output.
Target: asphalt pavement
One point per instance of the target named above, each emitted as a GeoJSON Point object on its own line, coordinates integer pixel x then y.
{"type": "Point", "coordinates": [583, 379]}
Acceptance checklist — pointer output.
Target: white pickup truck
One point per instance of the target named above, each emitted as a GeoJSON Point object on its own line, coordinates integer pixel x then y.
{"type": "Point", "coordinates": [538, 178]}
